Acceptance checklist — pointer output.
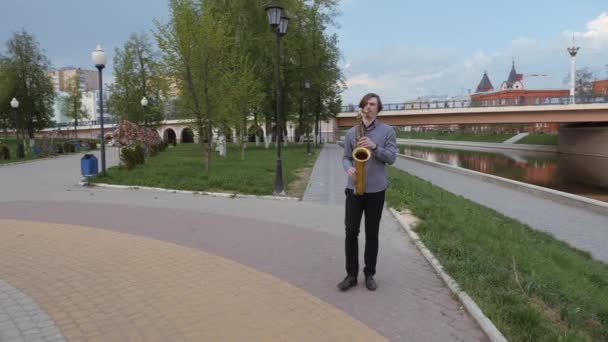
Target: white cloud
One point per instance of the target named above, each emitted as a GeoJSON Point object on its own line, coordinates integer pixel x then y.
{"type": "Point", "coordinates": [478, 59]}
{"type": "Point", "coordinates": [364, 80]}
{"type": "Point", "coordinates": [347, 65]}
{"type": "Point", "coordinates": [596, 35]}
{"type": "Point", "coordinates": [399, 74]}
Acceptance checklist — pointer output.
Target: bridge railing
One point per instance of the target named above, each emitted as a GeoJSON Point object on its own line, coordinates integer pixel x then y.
{"type": "Point", "coordinates": [521, 101]}
{"type": "Point", "coordinates": [85, 123]}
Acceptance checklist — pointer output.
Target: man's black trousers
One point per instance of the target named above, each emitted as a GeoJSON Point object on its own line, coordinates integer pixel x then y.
{"type": "Point", "coordinates": [371, 204]}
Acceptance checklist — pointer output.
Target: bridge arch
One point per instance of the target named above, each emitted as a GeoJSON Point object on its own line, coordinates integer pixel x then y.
{"type": "Point", "coordinates": [186, 135]}
{"type": "Point", "coordinates": [169, 136]}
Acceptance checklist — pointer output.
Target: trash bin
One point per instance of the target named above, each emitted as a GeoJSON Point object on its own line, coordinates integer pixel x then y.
{"type": "Point", "coordinates": [88, 165]}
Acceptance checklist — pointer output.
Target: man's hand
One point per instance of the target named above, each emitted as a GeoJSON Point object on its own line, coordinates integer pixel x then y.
{"type": "Point", "coordinates": [367, 143]}
{"type": "Point", "coordinates": [352, 172]}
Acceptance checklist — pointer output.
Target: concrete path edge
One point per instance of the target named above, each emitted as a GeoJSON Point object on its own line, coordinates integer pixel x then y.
{"type": "Point", "coordinates": [189, 192]}
{"type": "Point", "coordinates": [484, 322]}
{"type": "Point", "coordinates": [550, 194]}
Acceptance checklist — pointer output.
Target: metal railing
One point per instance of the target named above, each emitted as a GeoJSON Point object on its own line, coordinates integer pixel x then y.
{"type": "Point", "coordinates": [85, 123]}
{"type": "Point", "coordinates": [521, 101]}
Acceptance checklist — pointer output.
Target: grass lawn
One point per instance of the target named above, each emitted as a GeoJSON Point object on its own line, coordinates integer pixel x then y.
{"type": "Point", "coordinates": [532, 286]}
{"type": "Point", "coordinates": [181, 168]}
{"type": "Point", "coordinates": [456, 136]}
{"type": "Point", "coordinates": [539, 139]}
{"type": "Point", "coordinates": [11, 143]}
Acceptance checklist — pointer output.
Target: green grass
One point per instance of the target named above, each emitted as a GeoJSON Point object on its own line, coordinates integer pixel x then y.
{"type": "Point", "coordinates": [11, 143]}
{"type": "Point", "coordinates": [539, 139]}
{"type": "Point", "coordinates": [181, 168]}
{"type": "Point", "coordinates": [456, 136]}
{"type": "Point", "coordinates": [532, 286]}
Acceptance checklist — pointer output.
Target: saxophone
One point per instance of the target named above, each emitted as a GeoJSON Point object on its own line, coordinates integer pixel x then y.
{"type": "Point", "coordinates": [360, 156]}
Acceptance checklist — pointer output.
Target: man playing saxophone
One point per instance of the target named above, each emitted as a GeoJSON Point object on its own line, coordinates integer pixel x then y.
{"type": "Point", "coordinates": [379, 140]}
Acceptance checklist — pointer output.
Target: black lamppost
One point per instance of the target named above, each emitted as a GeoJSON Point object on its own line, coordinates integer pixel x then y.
{"type": "Point", "coordinates": [19, 153]}
{"type": "Point", "coordinates": [307, 86]}
{"type": "Point", "coordinates": [278, 22]}
{"type": "Point", "coordinates": [99, 59]}
{"type": "Point", "coordinates": [144, 104]}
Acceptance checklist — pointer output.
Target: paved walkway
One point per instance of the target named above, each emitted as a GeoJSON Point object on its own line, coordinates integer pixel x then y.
{"type": "Point", "coordinates": [108, 264]}
{"type": "Point", "coordinates": [516, 138]}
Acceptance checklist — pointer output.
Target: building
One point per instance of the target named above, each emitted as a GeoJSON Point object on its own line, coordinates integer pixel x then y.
{"type": "Point", "coordinates": [600, 87]}
{"type": "Point", "coordinates": [89, 86]}
{"type": "Point", "coordinates": [89, 79]}
{"type": "Point", "coordinates": [512, 92]}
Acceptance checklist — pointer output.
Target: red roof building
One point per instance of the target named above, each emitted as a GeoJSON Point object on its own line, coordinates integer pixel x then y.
{"type": "Point", "coordinates": [512, 92]}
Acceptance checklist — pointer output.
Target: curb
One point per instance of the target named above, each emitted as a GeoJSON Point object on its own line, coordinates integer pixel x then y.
{"type": "Point", "coordinates": [189, 192]}
{"type": "Point", "coordinates": [550, 194]}
{"type": "Point", "coordinates": [28, 161]}
{"type": "Point", "coordinates": [484, 322]}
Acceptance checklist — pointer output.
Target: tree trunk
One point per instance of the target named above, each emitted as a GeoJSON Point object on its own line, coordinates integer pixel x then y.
{"type": "Point", "coordinates": [244, 135]}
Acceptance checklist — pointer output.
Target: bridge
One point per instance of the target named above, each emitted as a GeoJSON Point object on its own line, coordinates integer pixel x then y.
{"type": "Point", "coordinates": [583, 130]}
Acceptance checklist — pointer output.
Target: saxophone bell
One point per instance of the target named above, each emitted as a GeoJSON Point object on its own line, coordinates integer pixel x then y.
{"type": "Point", "coordinates": [360, 156]}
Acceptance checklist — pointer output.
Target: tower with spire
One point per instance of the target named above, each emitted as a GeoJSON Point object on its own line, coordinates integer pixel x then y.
{"type": "Point", "coordinates": [514, 81]}
{"type": "Point", "coordinates": [484, 85]}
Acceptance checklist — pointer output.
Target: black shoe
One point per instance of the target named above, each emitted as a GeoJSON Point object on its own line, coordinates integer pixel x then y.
{"type": "Point", "coordinates": [370, 283]}
{"type": "Point", "coordinates": [347, 283]}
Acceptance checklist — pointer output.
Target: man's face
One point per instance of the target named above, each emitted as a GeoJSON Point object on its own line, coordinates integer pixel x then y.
{"type": "Point", "coordinates": [371, 108]}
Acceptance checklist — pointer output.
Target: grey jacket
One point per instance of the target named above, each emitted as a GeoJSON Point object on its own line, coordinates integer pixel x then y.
{"type": "Point", "coordinates": [383, 136]}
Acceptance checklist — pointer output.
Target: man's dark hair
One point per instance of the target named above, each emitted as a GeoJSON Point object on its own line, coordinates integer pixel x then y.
{"type": "Point", "coordinates": [367, 97]}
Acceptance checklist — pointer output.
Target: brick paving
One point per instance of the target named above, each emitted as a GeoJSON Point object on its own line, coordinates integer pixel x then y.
{"type": "Point", "coordinates": [21, 319]}
{"type": "Point", "coordinates": [296, 246]}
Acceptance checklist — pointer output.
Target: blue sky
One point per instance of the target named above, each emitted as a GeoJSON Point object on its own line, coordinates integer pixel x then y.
{"type": "Point", "coordinates": [398, 48]}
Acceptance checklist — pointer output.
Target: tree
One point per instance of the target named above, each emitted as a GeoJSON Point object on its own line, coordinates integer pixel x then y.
{"type": "Point", "coordinates": [137, 73]}
{"type": "Point", "coordinates": [584, 82]}
{"type": "Point", "coordinates": [8, 83]}
{"type": "Point", "coordinates": [193, 48]}
{"type": "Point", "coordinates": [72, 106]}
{"type": "Point", "coordinates": [32, 87]}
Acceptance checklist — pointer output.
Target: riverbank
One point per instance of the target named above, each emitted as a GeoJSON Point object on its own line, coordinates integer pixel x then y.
{"type": "Point", "coordinates": [530, 139]}
{"type": "Point", "coordinates": [483, 146]}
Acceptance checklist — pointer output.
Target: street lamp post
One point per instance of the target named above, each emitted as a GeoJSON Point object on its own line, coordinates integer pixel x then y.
{"type": "Point", "coordinates": [278, 22]}
{"type": "Point", "coordinates": [99, 59]}
{"type": "Point", "coordinates": [19, 153]}
{"type": "Point", "coordinates": [307, 86]}
{"type": "Point", "coordinates": [572, 51]}
{"type": "Point", "coordinates": [144, 104]}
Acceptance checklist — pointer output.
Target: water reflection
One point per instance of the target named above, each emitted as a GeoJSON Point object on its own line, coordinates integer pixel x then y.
{"type": "Point", "coordinates": [580, 175]}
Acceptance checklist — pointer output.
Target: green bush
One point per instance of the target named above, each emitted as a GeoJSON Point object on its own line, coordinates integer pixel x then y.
{"type": "Point", "coordinates": [5, 153]}
{"type": "Point", "coordinates": [153, 149]}
{"type": "Point", "coordinates": [132, 155]}
{"type": "Point", "coordinates": [68, 147]}
{"type": "Point", "coordinates": [92, 145]}
{"type": "Point", "coordinates": [58, 149]}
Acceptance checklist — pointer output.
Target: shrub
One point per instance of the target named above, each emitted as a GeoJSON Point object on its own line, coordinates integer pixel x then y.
{"type": "Point", "coordinates": [132, 155]}
{"type": "Point", "coordinates": [154, 149]}
{"type": "Point", "coordinates": [69, 147]}
{"type": "Point", "coordinates": [5, 153]}
{"type": "Point", "coordinates": [58, 148]}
